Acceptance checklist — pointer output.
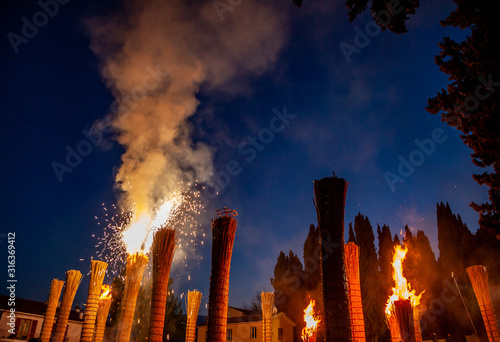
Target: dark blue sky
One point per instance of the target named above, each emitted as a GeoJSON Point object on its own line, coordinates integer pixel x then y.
{"type": "Point", "coordinates": [352, 118]}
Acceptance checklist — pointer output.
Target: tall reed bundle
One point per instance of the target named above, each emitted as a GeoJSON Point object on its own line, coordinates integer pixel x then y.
{"type": "Point", "coordinates": [97, 273]}
{"type": "Point", "coordinates": [267, 303]}
{"type": "Point", "coordinates": [478, 276]}
{"type": "Point", "coordinates": [194, 300]}
{"type": "Point", "coordinates": [73, 279]}
{"type": "Point", "coordinates": [164, 242]}
{"type": "Point", "coordinates": [102, 314]}
{"type": "Point", "coordinates": [50, 314]}
{"type": "Point", "coordinates": [404, 315]}
{"type": "Point", "coordinates": [330, 194]}
{"type": "Point", "coordinates": [416, 321]}
{"type": "Point", "coordinates": [136, 263]}
{"type": "Point", "coordinates": [355, 302]}
{"type": "Point", "coordinates": [223, 233]}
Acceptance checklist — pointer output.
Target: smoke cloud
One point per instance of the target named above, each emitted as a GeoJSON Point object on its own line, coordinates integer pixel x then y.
{"type": "Point", "coordinates": [156, 56]}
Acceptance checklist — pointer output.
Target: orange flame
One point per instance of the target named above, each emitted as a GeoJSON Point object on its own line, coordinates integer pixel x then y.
{"type": "Point", "coordinates": [402, 290]}
{"type": "Point", "coordinates": [312, 320]}
{"type": "Point", "coordinates": [105, 292]}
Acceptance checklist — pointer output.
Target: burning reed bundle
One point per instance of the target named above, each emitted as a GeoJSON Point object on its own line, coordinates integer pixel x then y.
{"type": "Point", "coordinates": [478, 276]}
{"type": "Point", "coordinates": [312, 321]}
{"type": "Point", "coordinates": [355, 303]}
{"type": "Point", "coordinates": [102, 313]}
{"type": "Point", "coordinates": [330, 196]}
{"type": "Point", "coordinates": [416, 323]}
{"type": "Point", "coordinates": [73, 279]}
{"type": "Point", "coordinates": [97, 273]}
{"type": "Point", "coordinates": [223, 232]}
{"type": "Point", "coordinates": [50, 314]}
{"type": "Point", "coordinates": [135, 268]}
{"type": "Point", "coordinates": [163, 253]}
{"type": "Point", "coordinates": [194, 299]}
{"type": "Point", "coordinates": [404, 316]}
{"type": "Point", "coordinates": [267, 303]}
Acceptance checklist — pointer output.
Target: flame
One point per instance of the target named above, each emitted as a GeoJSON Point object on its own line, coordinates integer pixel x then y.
{"type": "Point", "coordinates": [105, 292]}
{"type": "Point", "coordinates": [138, 236]}
{"type": "Point", "coordinates": [402, 290]}
{"type": "Point", "coordinates": [312, 320]}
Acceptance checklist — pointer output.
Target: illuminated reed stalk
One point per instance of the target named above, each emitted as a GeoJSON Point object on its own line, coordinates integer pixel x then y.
{"type": "Point", "coordinates": [416, 321]}
{"type": "Point", "coordinates": [223, 232]}
{"type": "Point", "coordinates": [136, 263]}
{"type": "Point", "coordinates": [267, 303]}
{"type": "Point", "coordinates": [73, 279]}
{"type": "Point", "coordinates": [330, 194]}
{"type": "Point", "coordinates": [163, 253]}
{"type": "Point", "coordinates": [50, 314]}
{"type": "Point", "coordinates": [478, 276]}
{"type": "Point", "coordinates": [393, 325]}
{"type": "Point", "coordinates": [194, 300]}
{"type": "Point", "coordinates": [355, 303]}
{"type": "Point", "coordinates": [102, 315]}
{"type": "Point", "coordinates": [97, 273]}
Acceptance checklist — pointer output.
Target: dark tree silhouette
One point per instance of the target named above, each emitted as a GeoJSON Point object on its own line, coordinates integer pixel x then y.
{"type": "Point", "coordinates": [456, 247]}
{"type": "Point", "coordinates": [289, 289]}
{"type": "Point", "coordinates": [385, 252]}
{"type": "Point", "coordinates": [352, 237]}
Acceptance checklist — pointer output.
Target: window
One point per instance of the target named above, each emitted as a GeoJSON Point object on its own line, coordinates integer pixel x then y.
{"type": "Point", "coordinates": [25, 328]}
{"type": "Point", "coordinates": [253, 333]}
{"type": "Point", "coordinates": [280, 334]}
{"type": "Point", "coordinates": [229, 334]}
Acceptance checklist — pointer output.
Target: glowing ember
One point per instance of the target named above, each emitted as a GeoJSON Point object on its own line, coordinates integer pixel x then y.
{"type": "Point", "coordinates": [105, 292]}
{"type": "Point", "coordinates": [312, 320]}
{"type": "Point", "coordinates": [402, 289]}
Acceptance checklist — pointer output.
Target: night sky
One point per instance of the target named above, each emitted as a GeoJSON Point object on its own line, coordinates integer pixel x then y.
{"type": "Point", "coordinates": [353, 118]}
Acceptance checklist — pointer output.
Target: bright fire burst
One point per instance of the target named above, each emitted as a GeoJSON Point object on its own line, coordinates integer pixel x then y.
{"type": "Point", "coordinates": [105, 292]}
{"type": "Point", "coordinates": [312, 320]}
{"type": "Point", "coordinates": [130, 231]}
{"type": "Point", "coordinates": [138, 236]}
{"type": "Point", "coordinates": [402, 289]}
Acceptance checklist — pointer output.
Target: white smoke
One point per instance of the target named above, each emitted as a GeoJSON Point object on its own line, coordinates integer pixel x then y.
{"type": "Point", "coordinates": [155, 57]}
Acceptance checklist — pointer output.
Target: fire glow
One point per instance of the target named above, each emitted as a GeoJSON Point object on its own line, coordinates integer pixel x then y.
{"type": "Point", "coordinates": [402, 289]}
{"type": "Point", "coordinates": [312, 320]}
{"type": "Point", "coordinates": [105, 292]}
{"type": "Point", "coordinates": [138, 236]}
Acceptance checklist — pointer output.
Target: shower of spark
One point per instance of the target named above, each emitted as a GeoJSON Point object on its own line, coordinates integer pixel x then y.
{"type": "Point", "coordinates": [127, 231]}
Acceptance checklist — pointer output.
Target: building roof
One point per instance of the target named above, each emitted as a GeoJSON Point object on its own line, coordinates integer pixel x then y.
{"type": "Point", "coordinates": [32, 307]}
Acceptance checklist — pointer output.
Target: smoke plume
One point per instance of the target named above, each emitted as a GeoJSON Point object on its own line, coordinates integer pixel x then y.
{"type": "Point", "coordinates": [156, 56]}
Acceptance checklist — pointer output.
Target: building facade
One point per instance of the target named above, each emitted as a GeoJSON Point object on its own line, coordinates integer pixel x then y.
{"type": "Point", "coordinates": [246, 326]}
{"type": "Point", "coordinates": [28, 321]}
